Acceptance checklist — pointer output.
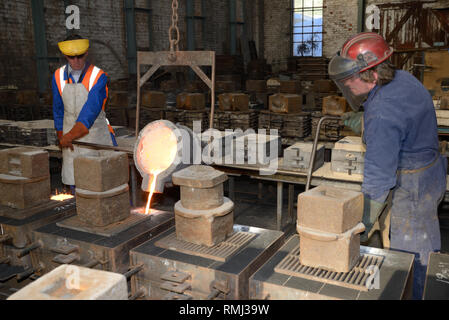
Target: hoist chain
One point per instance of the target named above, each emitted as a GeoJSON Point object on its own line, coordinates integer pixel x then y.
{"type": "Point", "coordinates": [174, 27]}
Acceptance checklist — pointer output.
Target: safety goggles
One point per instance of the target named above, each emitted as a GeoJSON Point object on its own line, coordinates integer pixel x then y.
{"type": "Point", "coordinates": [80, 56]}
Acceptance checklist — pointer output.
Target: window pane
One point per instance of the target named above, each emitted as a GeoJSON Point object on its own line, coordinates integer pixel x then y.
{"type": "Point", "coordinates": [307, 30]}
{"type": "Point", "coordinates": [308, 3]}
{"type": "Point", "coordinates": [307, 19]}
{"type": "Point", "coordinates": [297, 38]}
{"type": "Point", "coordinates": [297, 19]}
{"type": "Point", "coordinates": [297, 30]}
{"type": "Point", "coordinates": [298, 4]}
{"type": "Point", "coordinates": [307, 27]}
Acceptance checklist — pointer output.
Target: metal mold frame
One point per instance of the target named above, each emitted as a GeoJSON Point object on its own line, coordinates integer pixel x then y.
{"type": "Point", "coordinates": [194, 59]}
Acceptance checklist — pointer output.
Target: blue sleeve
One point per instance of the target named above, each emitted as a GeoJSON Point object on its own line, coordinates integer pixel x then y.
{"type": "Point", "coordinates": [58, 106]}
{"type": "Point", "coordinates": [383, 143]}
{"type": "Point", "coordinates": [94, 103]}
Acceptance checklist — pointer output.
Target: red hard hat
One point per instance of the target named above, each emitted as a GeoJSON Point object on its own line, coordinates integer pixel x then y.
{"type": "Point", "coordinates": [367, 46]}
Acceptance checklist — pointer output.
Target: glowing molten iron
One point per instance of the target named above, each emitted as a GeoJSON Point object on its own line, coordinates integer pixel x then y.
{"type": "Point", "coordinates": [61, 196]}
{"type": "Point", "coordinates": [157, 151]}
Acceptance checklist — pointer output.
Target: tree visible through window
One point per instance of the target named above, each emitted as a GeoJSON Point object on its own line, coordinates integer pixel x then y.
{"type": "Point", "coordinates": [308, 28]}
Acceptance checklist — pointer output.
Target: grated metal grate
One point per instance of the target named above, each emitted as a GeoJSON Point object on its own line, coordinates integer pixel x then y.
{"type": "Point", "coordinates": [220, 252]}
{"type": "Point", "coordinates": [354, 279]}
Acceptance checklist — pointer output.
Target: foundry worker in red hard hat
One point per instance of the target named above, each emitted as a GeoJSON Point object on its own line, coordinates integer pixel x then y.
{"type": "Point", "coordinates": [402, 154]}
{"type": "Point", "coordinates": [79, 96]}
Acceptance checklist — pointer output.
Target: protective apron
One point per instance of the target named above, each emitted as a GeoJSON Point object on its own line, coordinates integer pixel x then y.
{"type": "Point", "coordinates": [74, 96]}
{"type": "Point", "coordinates": [414, 215]}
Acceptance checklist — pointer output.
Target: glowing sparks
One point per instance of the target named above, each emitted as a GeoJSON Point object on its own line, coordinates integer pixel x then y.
{"type": "Point", "coordinates": [61, 196]}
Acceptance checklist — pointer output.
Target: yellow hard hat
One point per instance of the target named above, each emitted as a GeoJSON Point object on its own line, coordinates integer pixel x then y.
{"type": "Point", "coordinates": [74, 47]}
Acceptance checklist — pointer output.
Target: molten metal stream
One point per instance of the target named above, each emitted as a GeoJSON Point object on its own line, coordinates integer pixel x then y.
{"type": "Point", "coordinates": [152, 187]}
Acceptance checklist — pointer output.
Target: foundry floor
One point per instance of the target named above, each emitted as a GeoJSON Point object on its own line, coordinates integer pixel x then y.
{"type": "Point", "coordinates": [251, 211]}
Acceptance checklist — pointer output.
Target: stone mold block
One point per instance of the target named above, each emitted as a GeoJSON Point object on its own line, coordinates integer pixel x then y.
{"type": "Point", "coordinates": [191, 101]}
{"type": "Point", "coordinates": [285, 103]}
{"type": "Point", "coordinates": [103, 208]}
{"type": "Point", "coordinates": [298, 156]}
{"type": "Point", "coordinates": [334, 105]}
{"type": "Point", "coordinates": [68, 282]}
{"type": "Point", "coordinates": [329, 251]}
{"type": "Point", "coordinates": [101, 173]}
{"type": "Point", "coordinates": [330, 209]}
{"type": "Point", "coordinates": [233, 102]}
{"type": "Point", "coordinates": [24, 162]}
{"type": "Point", "coordinates": [153, 99]}
{"type": "Point", "coordinates": [199, 177]}
{"type": "Point", "coordinates": [202, 199]}
{"type": "Point", "coordinates": [22, 193]}
{"type": "Point", "coordinates": [204, 227]}
{"type": "Point", "coordinates": [348, 155]}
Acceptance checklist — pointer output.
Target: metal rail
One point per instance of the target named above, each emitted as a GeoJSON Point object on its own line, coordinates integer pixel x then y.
{"type": "Point", "coordinates": [315, 143]}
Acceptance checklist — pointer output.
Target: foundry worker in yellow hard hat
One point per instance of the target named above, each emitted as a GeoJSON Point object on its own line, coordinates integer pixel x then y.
{"type": "Point", "coordinates": [80, 93]}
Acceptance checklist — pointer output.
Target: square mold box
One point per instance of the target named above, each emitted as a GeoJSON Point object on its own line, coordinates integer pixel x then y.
{"type": "Point", "coordinates": [69, 282]}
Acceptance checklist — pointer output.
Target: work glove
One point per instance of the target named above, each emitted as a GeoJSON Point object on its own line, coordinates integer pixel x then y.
{"type": "Point", "coordinates": [79, 130]}
{"type": "Point", "coordinates": [353, 120]}
{"type": "Point", "coordinates": [59, 134]}
{"type": "Point", "coordinates": [371, 212]}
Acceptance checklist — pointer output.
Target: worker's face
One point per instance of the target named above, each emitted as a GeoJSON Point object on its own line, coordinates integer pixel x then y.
{"type": "Point", "coordinates": [358, 86]}
{"type": "Point", "coordinates": [77, 62]}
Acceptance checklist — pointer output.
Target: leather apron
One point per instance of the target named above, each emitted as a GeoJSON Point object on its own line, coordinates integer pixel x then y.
{"type": "Point", "coordinates": [74, 97]}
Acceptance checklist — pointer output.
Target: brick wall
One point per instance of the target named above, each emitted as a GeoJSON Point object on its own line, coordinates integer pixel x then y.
{"type": "Point", "coordinates": [103, 22]}
{"type": "Point", "coordinates": [17, 51]}
{"type": "Point", "coordinates": [277, 29]}
{"type": "Point", "coordinates": [339, 23]}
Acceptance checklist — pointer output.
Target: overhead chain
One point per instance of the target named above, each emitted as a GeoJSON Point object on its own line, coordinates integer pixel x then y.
{"type": "Point", "coordinates": [174, 27]}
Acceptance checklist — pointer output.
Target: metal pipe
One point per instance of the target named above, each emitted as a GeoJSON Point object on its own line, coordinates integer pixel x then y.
{"type": "Point", "coordinates": [102, 147]}
{"type": "Point", "coordinates": [28, 249]}
{"type": "Point", "coordinates": [214, 293]}
{"type": "Point", "coordinates": [315, 143]}
{"type": "Point", "coordinates": [139, 294]}
{"type": "Point", "coordinates": [92, 263]}
{"type": "Point", "coordinates": [134, 270]}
